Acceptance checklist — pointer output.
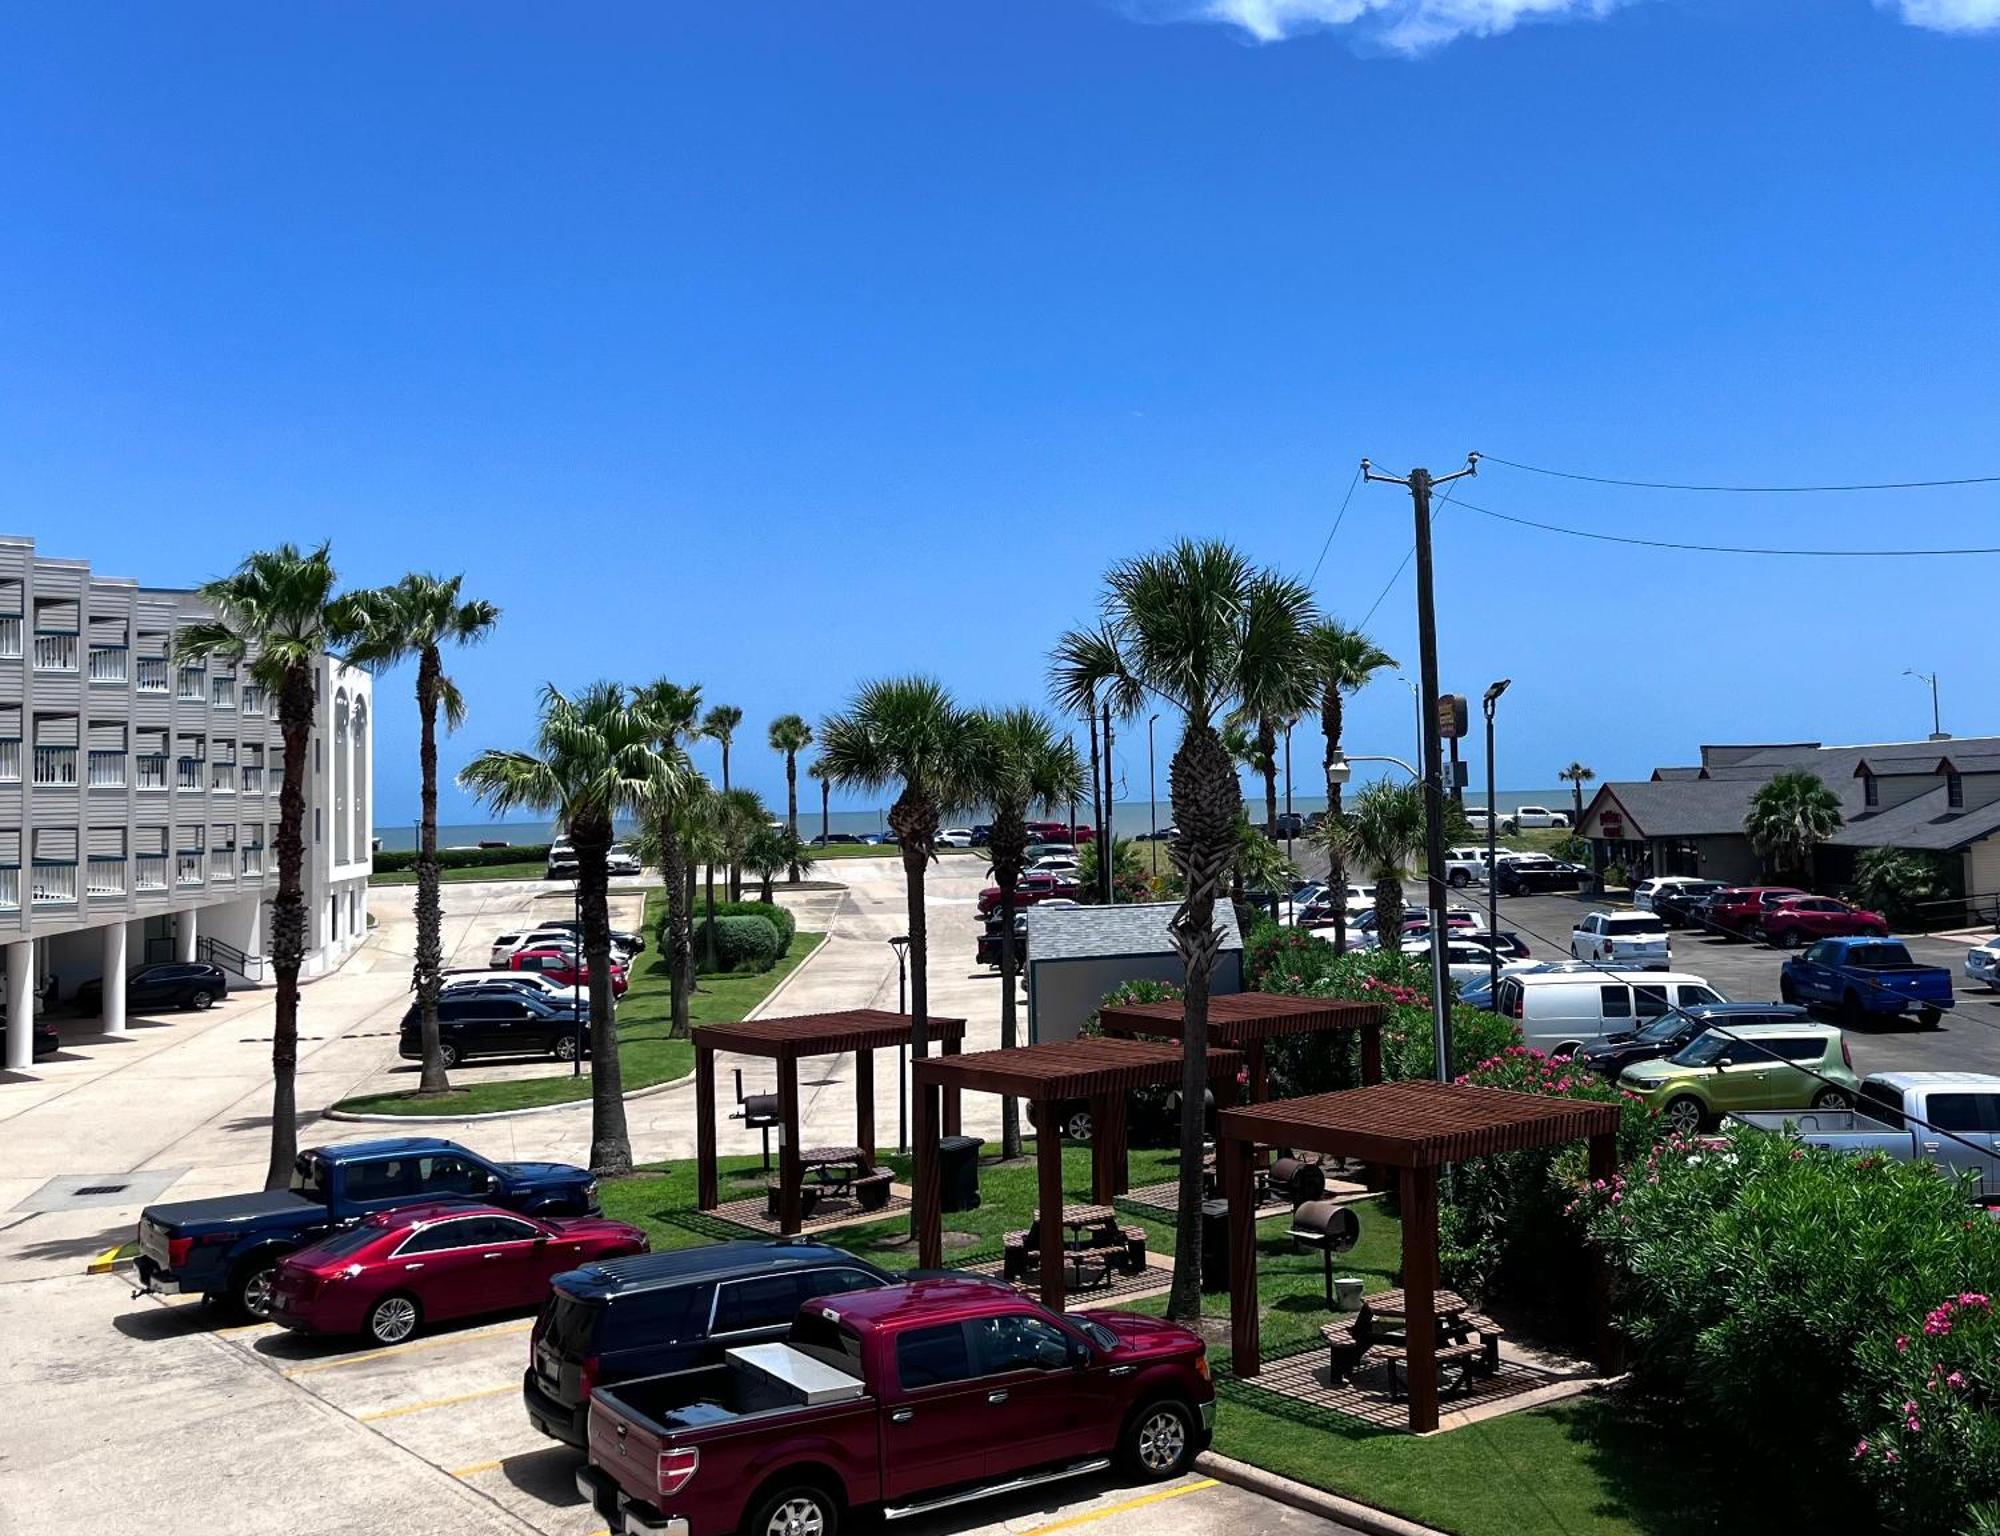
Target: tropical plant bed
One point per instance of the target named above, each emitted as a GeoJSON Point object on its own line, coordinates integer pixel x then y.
{"type": "Point", "coordinates": [645, 1052]}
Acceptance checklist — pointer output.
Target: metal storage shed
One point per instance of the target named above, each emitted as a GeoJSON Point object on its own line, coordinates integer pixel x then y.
{"type": "Point", "coordinates": [1077, 954]}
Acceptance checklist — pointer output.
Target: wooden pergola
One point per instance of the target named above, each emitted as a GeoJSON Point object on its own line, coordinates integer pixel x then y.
{"type": "Point", "coordinates": [1245, 1021]}
{"type": "Point", "coordinates": [863, 1031]}
{"type": "Point", "coordinates": [1103, 1072]}
{"type": "Point", "coordinates": [1417, 1128]}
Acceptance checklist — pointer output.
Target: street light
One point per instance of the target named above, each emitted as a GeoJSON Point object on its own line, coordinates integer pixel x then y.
{"type": "Point", "coordinates": [1288, 789]}
{"type": "Point", "coordinates": [901, 945]}
{"type": "Point", "coordinates": [1153, 797]}
{"type": "Point", "coordinates": [1339, 767]}
{"type": "Point", "coordinates": [1492, 827]}
{"type": "Point", "coordinates": [576, 974]}
{"type": "Point", "coordinates": [1937, 729]}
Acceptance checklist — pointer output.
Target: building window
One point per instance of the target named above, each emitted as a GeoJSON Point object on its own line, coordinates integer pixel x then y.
{"type": "Point", "coordinates": [1871, 793]}
{"type": "Point", "coordinates": [1954, 791]}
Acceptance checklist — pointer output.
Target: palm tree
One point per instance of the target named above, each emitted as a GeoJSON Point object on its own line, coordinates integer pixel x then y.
{"type": "Point", "coordinates": [719, 724]}
{"type": "Point", "coordinates": [1575, 776]}
{"type": "Point", "coordinates": [1346, 659]}
{"type": "Point", "coordinates": [740, 815]}
{"type": "Point", "coordinates": [771, 851]}
{"type": "Point", "coordinates": [1202, 629]}
{"type": "Point", "coordinates": [906, 734]}
{"type": "Point", "coordinates": [1383, 835]}
{"type": "Point", "coordinates": [676, 708]}
{"type": "Point", "coordinates": [276, 615]}
{"type": "Point", "coordinates": [1789, 817]}
{"type": "Point", "coordinates": [704, 835]}
{"type": "Point", "coordinates": [817, 770]}
{"type": "Point", "coordinates": [596, 755]}
{"type": "Point", "coordinates": [419, 616]}
{"type": "Point", "coordinates": [790, 735]}
{"type": "Point", "coordinates": [1028, 764]}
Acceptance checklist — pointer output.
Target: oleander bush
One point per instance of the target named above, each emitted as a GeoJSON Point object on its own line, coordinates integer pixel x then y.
{"type": "Point", "coordinates": [389, 860]}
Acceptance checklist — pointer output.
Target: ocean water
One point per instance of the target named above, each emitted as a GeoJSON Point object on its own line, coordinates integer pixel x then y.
{"type": "Point", "coordinates": [1132, 818]}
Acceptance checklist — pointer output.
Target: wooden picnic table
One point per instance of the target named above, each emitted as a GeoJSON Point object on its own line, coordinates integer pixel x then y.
{"type": "Point", "coordinates": [1381, 1327]}
{"type": "Point", "coordinates": [834, 1167]}
{"type": "Point", "coordinates": [1081, 1222]}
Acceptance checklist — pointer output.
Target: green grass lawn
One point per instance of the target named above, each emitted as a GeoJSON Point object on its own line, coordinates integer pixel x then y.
{"type": "Point", "coordinates": [1594, 1465]}
{"type": "Point", "coordinates": [532, 869]}
{"type": "Point", "coordinates": [645, 1052]}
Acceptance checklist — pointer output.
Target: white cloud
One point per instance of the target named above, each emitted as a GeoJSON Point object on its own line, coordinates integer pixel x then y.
{"type": "Point", "coordinates": [1414, 26]}
{"type": "Point", "coordinates": [1949, 15]}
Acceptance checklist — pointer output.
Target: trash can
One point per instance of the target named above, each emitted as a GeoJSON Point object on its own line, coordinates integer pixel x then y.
{"type": "Point", "coordinates": [958, 1172]}
{"type": "Point", "coordinates": [1215, 1245]}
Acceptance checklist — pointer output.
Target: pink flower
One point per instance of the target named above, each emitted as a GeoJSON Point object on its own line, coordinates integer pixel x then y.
{"type": "Point", "coordinates": [1956, 1381]}
{"type": "Point", "coordinates": [1902, 1343]}
{"type": "Point", "coordinates": [1974, 1299]}
{"type": "Point", "coordinates": [1860, 1449]}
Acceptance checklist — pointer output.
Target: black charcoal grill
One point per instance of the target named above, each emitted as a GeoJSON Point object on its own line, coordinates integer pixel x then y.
{"type": "Point", "coordinates": [1328, 1226]}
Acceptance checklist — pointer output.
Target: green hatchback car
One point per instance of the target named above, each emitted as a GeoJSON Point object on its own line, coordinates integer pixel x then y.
{"type": "Point", "coordinates": [1753, 1066]}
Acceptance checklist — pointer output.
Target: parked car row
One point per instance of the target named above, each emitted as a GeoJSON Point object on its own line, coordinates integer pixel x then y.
{"type": "Point", "coordinates": [1781, 915]}
{"type": "Point", "coordinates": [619, 859]}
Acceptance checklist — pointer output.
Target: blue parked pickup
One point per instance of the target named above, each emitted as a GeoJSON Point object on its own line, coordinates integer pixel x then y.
{"type": "Point", "coordinates": [1862, 978]}
{"type": "Point", "coordinates": [227, 1247]}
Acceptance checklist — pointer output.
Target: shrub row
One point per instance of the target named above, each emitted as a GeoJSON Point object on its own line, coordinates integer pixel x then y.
{"type": "Point", "coordinates": [742, 943]}
{"type": "Point", "coordinates": [389, 860]}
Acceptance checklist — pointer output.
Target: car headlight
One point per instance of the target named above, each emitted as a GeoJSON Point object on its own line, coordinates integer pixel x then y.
{"type": "Point", "coordinates": [590, 1190]}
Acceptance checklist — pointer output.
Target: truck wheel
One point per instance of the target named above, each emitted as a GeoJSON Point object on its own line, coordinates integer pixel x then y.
{"type": "Point", "coordinates": [1078, 1126]}
{"type": "Point", "coordinates": [1929, 1017]}
{"type": "Point", "coordinates": [803, 1509]}
{"type": "Point", "coordinates": [1459, 879]}
{"type": "Point", "coordinates": [251, 1290]}
{"type": "Point", "coordinates": [1685, 1115]}
{"type": "Point", "coordinates": [1832, 1098]}
{"type": "Point", "coordinates": [564, 1047]}
{"type": "Point", "coordinates": [1787, 993]}
{"type": "Point", "coordinates": [1158, 1442]}
{"type": "Point", "coordinates": [394, 1318]}
{"type": "Point", "coordinates": [1852, 1014]}
{"type": "Point", "coordinates": [447, 1054]}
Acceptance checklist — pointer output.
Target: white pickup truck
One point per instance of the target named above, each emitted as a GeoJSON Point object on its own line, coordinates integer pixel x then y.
{"type": "Point", "coordinates": [1950, 1118]}
{"type": "Point", "coordinates": [1464, 866]}
{"type": "Point", "coordinates": [1532, 816]}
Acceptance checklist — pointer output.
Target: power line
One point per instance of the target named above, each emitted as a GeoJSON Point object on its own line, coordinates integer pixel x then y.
{"type": "Point", "coordinates": [1396, 575]}
{"type": "Point", "coordinates": [1336, 526]}
{"type": "Point", "coordinates": [1729, 549]}
{"type": "Point", "coordinates": [1759, 490]}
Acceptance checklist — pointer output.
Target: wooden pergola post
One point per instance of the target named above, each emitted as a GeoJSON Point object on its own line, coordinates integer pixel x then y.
{"type": "Point", "coordinates": [1420, 1281]}
{"type": "Point", "coordinates": [1107, 1148]}
{"type": "Point", "coordinates": [930, 1199]}
{"type": "Point", "coordinates": [1049, 1203]}
{"type": "Point", "coordinates": [1245, 1341]}
{"type": "Point", "coordinates": [1371, 1052]}
{"type": "Point", "coordinates": [790, 1175]}
{"type": "Point", "coordinates": [864, 1103]}
{"type": "Point", "coordinates": [706, 1194]}
{"type": "Point", "coordinates": [1609, 1347]}
{"type": "Point", "coordinates": [951, 1105]}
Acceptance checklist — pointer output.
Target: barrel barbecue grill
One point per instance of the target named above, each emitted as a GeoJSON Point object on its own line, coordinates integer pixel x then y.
{"type": "Point", "coordinates": [1328, 1226]}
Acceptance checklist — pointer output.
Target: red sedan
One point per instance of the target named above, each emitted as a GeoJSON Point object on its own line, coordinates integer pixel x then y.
{"type": "Point", "coordinates": [564, 967]}
{"type": "Point", "coordinates": [1033, 886]}
{"type": "Point", "coordinates": [1797, 920]}
{"type": "Point", "coordinates": [394, 1271]}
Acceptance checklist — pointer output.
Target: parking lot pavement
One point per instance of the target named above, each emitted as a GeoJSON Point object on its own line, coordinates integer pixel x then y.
{"type": "Point", "coordinates": [228, 1427]}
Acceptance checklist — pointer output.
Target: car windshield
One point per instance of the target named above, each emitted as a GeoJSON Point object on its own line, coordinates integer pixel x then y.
{"type": "Point", "coordinates": [1878, 957]}
{"type": "Point", "coordinates": [1700, 1052]}
{"type": "Point", "coordinates": [1664, 1030]}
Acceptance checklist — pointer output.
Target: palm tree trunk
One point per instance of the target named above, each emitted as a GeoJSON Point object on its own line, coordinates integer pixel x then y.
{"type": "Point", "coordinates": [1096, 781]}
{"type": "Point", "coordinates": [430, 914]}
{"type": "Point", "coordinates": [735, 869]}
{"type": "Point", "coordinates": [1267, 755]}
{"type": "Point", "coordinates": [1207, 802]}
{"type": "Point", "coordinates": [676, 934]}
{"type": "Point", "coordinates": [1330, 711]}
{"type": "Point", "coordinates": [288, 923]}
{"type": "Point", "coordinates": [708, 927]}
{"type": "Point", "coordinates": [1008, 845]}
{"type": "Point", "coordinates": [610, 1146]}
{"type": "Point", "coordinates": [915, 820]}
{"type": "Point", "coordinates": [1389, 913]}
{"type": "Point", "coordinates": [791, 813]}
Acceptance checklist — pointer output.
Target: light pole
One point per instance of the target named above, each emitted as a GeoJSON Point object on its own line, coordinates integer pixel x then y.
{"type": "Point", "coordinates": [901, 945]}
{"type": "Point", "coordinates": [1288, 790]}
{"type": "Point", "coordinates": [1492, 885]}
{"type": "Point", "coordinates": [1937, 729]}
{"type": "Point", "coordinates": [1153, 797]}
{"type": "Point", "coordinates": [576, 975]}
{"type": "Point", "coordinates": [1340, 765]}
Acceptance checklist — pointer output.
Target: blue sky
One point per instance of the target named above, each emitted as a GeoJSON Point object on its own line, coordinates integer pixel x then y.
{"type": "Point", "coordinates": [781, 346]}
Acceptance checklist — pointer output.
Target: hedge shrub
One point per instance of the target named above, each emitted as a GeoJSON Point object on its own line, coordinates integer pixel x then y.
{"type": "Point", "coordinates": [778, 917]}
{"type": "Point", "coordinates": [742, 943]}
{"type": "Point", "coordinates": [1826, 1319]}
{"type": "Point", "coordinates": [389, 860]}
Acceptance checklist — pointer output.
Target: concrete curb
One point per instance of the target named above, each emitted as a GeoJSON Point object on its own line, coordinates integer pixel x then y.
{"type": "Point", "coordinates": [111, 1259]}
{"type": "Point", "coordinates": [1309, 1500]}
{"type": "Point", "coordinates": [798, 970]}
{"type": "Point", "coordinates": [360, 1118]}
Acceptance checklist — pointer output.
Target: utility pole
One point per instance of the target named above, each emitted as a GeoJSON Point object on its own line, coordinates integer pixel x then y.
{"type": "Point", "coordinates": [1420, 484]}
{"type": "Point", "coordinates": [1490, 703]}
{"type": "Point", "coordinates": [1106, 837]}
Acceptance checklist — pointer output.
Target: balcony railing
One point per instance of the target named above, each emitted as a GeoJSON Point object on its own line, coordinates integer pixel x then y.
{"type": "Point", "coordinates": [187, 773]}
{"type": "Point", "coordinates": [10, 888]}
{"type": "Point", "coordinates": [10, 760]}
{"type": "Point", "coordinates": [151, 768]}
{"type": "Point", "coordinates": [222, 778]}
{"type": "Point", "coordinates": [55, 651]}
{"type": "Point", "coordinates": [253, 699]}
{"type": "Point", "coordinates": [149, 872]}
{"type": "Point", "coordinates": [222, 864]}
{"type": "Point", "coordinates": [105, 770]}
{"type": "Point", "coordinates": [107, 664]}
{"type": "Point", "coordinates": [10, 645]}
{"type": "Point", "coordinates": [193, 687]}
{"type": "Point", "coordinates": [150, 672]}
{"type": "Point", "coordinates": [104, 877]}
{"type": "Point", "coordinates": [253, 860]}
{"type": "Point", "coordinates": [56, 766]}
{"type": "Point", "coordinates": [187, 868]}
{"type": "Point", "coordinates": [253, 780]}
{"type": "Point", "coordinates": [222, 693]}
{"type": "Point", "coordinates": [54, 883]}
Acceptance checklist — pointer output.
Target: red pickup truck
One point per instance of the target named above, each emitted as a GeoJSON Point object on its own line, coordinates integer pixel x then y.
{"type": "Point", "coordinates": [907, 1398]}
{"type": "Point", "coordinates": [1032, 887]}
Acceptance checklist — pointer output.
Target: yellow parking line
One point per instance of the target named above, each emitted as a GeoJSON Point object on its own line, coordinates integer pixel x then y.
{"type": "Point", "coordinates": [101, 1265]}
{"type": "Point", "coordinates": [406, 1349]}
{"type": "Point", "coordinates": [436, 1402]}
{"type": "Point", "coordinates": [477, 1467]}
{"type": "Point", "coordinates": [1119, 1509]}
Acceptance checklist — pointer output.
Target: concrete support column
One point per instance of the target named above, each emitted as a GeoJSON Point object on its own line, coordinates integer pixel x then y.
{"type": "Point", "coordinates": [184, 935]}
{"type": "Point", "coordinates": [21, 1005]}
{"type": "Point", "coordinates": [114, 979]}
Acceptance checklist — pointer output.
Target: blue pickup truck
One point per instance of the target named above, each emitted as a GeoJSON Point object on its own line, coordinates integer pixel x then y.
{"type": "Point", "coordinates": [227, 1247]}
{"type": "Point", "coordinates": [1862, 978]}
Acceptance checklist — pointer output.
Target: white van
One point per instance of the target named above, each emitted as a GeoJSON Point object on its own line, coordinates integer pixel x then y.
{"type": "Point", "coordinates": [1561, 1010]}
